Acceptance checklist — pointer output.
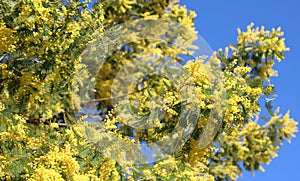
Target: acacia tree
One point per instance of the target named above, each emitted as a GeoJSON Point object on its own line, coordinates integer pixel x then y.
{"type": "Point", "coordinates": [45, 66]}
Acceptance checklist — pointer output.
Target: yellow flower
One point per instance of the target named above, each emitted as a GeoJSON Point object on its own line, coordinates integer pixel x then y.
{"type": "Point", "coordinates": [44, 174]}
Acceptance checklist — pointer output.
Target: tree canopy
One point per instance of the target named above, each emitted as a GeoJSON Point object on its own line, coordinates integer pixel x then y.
{"type": "Point", "coordinates": [87, 85]}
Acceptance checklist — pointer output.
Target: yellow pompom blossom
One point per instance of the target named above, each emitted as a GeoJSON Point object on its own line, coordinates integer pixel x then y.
{"type": "Point", "coordinates": [108, 171]}
{"type": "Point", "coordinates": [7, 38]}
{"type": "Point", "coordinates": [172, 169]}
{"type": "Point", "coordinates": [43, 174]}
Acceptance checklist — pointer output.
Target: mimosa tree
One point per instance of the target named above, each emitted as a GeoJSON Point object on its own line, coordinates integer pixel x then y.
{"type": "Point", "coordinates": [115, 90]}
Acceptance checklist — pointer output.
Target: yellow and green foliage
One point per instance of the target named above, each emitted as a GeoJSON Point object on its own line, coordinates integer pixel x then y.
{"type": "Point", "coordinates": [41, 46]}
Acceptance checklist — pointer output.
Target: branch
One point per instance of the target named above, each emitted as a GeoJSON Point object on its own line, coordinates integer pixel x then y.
{"type": "Point", "coordinates": [37, 121]}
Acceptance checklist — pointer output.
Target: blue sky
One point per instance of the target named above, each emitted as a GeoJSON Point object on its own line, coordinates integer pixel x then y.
{"type": "Point", "coordinates": [217, 23]}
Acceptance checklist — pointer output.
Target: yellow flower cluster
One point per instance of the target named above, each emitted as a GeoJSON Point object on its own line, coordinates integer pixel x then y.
{"type": "Point", "coordinates": [202, 82]}
{"type": "Point", "coordinates": [51, 160]}
{"type": "Point", "coordinates": [126, 5]}
{"type": "Point", "coordinates": [255, 144]}
{"type": "Point", "coordinates": [7, 38]}
{"type": "Point", "coordinates": [242, 96]}
{"type": "Point", "coordinates": [267, 41]}
{"type": "Point", "coordinates": [170, 168]}
{"type": "Point", "coordinates": [197, 155]}
{"type": "Point", "coordinates": [108, 171]}
{"type": "Point", "coordinates": [44, 32]}
{"type": "Point", "coordinates": [263, 47]}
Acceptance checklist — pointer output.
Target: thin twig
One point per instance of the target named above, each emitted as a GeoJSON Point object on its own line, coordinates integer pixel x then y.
{"type": "Point", "coordinates": [38, 121]}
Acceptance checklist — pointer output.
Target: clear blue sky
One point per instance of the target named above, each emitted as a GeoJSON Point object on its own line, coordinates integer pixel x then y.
{"type": "Point", "coordinates": [217, 23]}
